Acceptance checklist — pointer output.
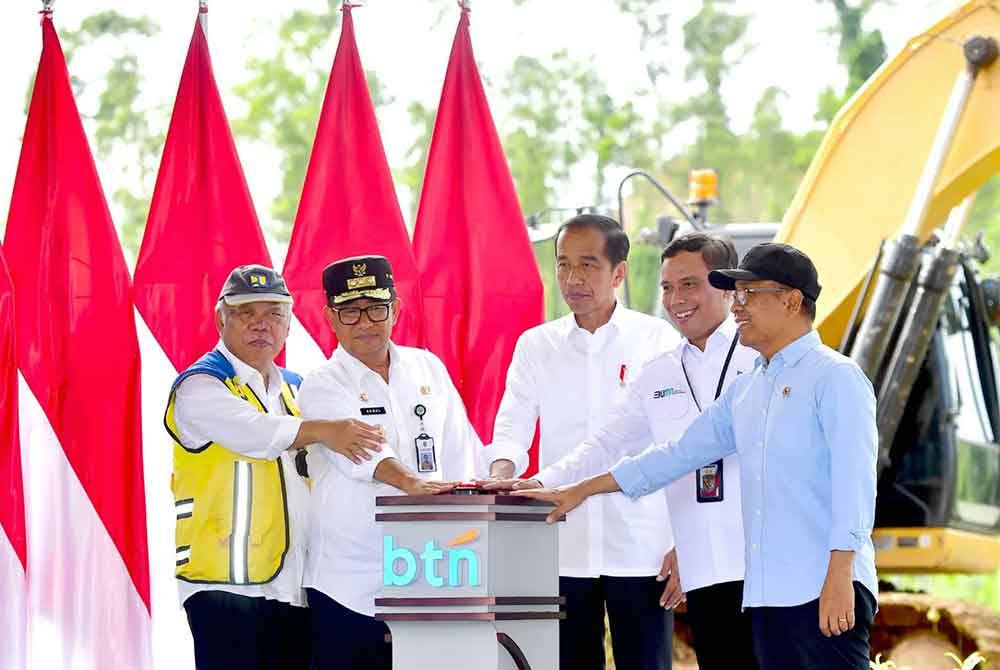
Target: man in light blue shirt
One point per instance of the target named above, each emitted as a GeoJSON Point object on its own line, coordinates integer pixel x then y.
{"type": "Point", "coordinates": [803, 423]}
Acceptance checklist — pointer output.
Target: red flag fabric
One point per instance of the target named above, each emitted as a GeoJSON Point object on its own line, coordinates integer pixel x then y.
{"type": "Point", "coordinates": [477, 269]}
{"type": "Point", "coordinates": [77, 350]}
{"type": "Point", "coordinates": [349, 205]}
{"type": "Point", "coordinates": [201, 221]}
{"type": "Point", "coordinates": [13, 543]}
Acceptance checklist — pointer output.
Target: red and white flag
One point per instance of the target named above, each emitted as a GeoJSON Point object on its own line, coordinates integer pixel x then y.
{"type": "Point", "coordinates": [349, 205]}
{"type": "Point", "coordinates": [79, 403]}
{"type": "Point", "coordinates": [202, 223]}
{"type": "Point", "coordinates": [13, 544]}
{"type": "Point", "coordinates": [477, 269]}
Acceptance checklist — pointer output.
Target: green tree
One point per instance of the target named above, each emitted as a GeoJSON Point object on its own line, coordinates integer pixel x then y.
{"type": "Point", "coordinates": [127, 138]}
{"type": "Point", "coordinates": [560, 117]}
{"type": "Point", "coordinates": [859, 50]}
{"type": "Point", "coordinates": [715, 40]}
{"type": "Point", "coordinates": [284, 95]}
{"type": "Point", "coordinates": [411, 176]}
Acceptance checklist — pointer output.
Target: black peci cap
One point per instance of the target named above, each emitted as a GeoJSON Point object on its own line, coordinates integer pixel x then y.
{"type": "Point", "coordinates": [254, 283]}
{"type": "Point", "coordinates": [774, 262]}
{"type": "Point", "coordinates": [359, 277]}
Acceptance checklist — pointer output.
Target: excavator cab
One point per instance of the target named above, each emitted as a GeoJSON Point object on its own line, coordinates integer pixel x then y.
{"type": "Point", "coordinates": [944, 469]}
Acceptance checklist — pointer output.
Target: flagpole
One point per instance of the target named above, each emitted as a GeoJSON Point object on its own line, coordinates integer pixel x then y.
{"type": "Point", "coordinates": [202, 15]}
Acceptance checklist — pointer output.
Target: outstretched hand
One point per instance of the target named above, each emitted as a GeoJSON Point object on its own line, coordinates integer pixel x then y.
{"type": "Point", "coordinates": [566, 499]}
{"type": "Point", "coordinates": [509, 484]}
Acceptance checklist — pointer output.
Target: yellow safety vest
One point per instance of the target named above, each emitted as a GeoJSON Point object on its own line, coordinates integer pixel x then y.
{"type": "Point", "coordinates": [232, 511]}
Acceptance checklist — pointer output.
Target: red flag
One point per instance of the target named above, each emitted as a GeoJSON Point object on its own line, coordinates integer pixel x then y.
{"type": "Point", "coordinates": [477, 269]}
{"type": "Point", "coordinates": [201, 222]}
{"type": "Point", "coordinates": [77, 350]}
{"type": "Point", "coordinates": [348, 205]}
{"type": "Point", "coordinates": [13, 544]}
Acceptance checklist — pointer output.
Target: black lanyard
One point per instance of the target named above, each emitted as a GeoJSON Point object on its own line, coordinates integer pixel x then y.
{"type": "Point", "coordinates": [722, 377]}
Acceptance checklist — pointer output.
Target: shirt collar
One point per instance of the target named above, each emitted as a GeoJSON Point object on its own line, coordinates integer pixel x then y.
{"type": "Point", "coordinates": [245, 372]}
{"type": "Point", "coordinates": [794, 351]}
{"type": "Point", "coordinates": [721, 338]}
{"type": "Point", "coordinates": [618, 317]}
{"type": "Point", "coordinates": [358, 369]}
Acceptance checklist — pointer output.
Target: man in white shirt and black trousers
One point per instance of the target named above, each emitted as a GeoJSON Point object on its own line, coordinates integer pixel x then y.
{"type": "Point", "coordinates": [705, 505]}
{"type": "Point", "coordinates": [407, 395]}
{"type": "Point", "coordinates": [241, 507]}
{"type": "Point", "coordinates": [567, 374]}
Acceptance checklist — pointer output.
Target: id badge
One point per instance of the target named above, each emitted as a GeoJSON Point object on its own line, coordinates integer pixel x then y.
{"type": "Point", "coordinates": [708, 481]}
{"type": "Point", "coordinates": [426, 458]}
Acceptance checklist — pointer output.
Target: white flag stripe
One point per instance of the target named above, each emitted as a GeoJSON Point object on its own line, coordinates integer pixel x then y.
{"type": "Point", "coordinates": [13, 611]}
{"type": "Point", "coordinates": [84, 610]}
{"type": "Point", "coordinates": [184, 509]}
{"type": "Point", "coordinates": [172, 645]}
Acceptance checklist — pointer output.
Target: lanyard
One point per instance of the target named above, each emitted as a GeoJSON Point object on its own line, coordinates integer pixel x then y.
{"type": "Point", "coordinates": [722, 377]}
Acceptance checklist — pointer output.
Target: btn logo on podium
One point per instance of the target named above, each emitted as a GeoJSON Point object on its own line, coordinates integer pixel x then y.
{"type": "Point", "coordinates": [431, 555]}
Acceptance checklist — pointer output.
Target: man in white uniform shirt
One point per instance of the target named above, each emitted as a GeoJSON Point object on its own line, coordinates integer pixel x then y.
{"type": "Point", "coordinates": [705, 505]}
{"type": "Point", "coordinates": [405, 393]}
{"type": "Point", "coordinates": [669, 393]}
{"type": "Point", "coordinates": [567, 374]}
{"type": "Point", "coordinates": [234, 420]}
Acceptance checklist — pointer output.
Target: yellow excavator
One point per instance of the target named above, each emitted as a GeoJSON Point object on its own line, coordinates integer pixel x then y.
{"type": "Point", "coordinates": [880, 211]}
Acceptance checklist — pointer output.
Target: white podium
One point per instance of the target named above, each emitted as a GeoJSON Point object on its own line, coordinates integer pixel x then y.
{"type": "Point", "coordinates": [469, 581]}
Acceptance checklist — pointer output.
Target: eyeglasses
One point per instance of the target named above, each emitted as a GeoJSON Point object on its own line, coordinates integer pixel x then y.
{"type": "Point", "coordinates": [349, 316]}
{"type": "Point", "coordinates": [743, 294]}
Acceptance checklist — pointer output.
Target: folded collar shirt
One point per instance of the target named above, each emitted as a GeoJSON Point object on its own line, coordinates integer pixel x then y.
{"type": "Point", "coordinates": [709, 535]}
{"type": "Point", "coordinates": [345, 542]}
{"type": "Point", "coordinates": [804, 428]}
{"type": "Point", "coordinates": [207, 411]}
{"type": "Point", "coordinates": [567, 379]}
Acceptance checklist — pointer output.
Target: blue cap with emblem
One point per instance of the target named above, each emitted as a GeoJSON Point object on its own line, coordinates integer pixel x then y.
{"type": "Point", "coordinates": [254, 283]}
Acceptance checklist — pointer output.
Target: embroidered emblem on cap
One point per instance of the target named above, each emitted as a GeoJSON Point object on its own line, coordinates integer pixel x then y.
{"type": "Point", "coordinates": [360, 282]}
{"type": "Point", "coordinates": [258, 280]}
{"type": "Point", "coordinates": [359, 269]}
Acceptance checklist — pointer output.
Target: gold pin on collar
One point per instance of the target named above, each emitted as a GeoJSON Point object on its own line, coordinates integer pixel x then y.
{"type": "Point", "coordinates": [364, 397]}
{"type": "Point", "coordinates": [786, 392]}
{"type": "Point", "coordinates": [425, 390]}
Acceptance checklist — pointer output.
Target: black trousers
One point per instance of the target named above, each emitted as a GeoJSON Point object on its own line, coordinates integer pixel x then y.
{"type": "Point", "coordinates": [343, 639]}
{"type": "Point", "coordinates": [789, 637]}
{"type": "Point", "coordinates": [232, 631]}
{"type": "Point", "coordinates": [722, 635]}
{"type": "Point", "coordinates": [642, 632]}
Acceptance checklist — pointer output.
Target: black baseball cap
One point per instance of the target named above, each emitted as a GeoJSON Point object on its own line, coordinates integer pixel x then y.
{"type": "Point", "coordinates": [254, 283]}
{"type": "Point", "coordinates": [359, 277]}
{"type": "Point", "coordinates": [772, 261]}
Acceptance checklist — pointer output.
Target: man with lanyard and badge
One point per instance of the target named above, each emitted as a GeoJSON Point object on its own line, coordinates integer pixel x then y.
{"type": "Point", "coordinates": [565, 375]}
{"type": "Point", "coordinates": [405, 394]}
{"type": "Point", "coordinates": [241, 508]}
{"type": "Point", "coordinates": [803, 423]}
{"type": "Point", "coordinates": [667, 395]}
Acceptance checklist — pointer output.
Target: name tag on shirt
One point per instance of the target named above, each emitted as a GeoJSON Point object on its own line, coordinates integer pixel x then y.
{"type": "Point", "coordinates": [372, 411]}
{"type": "Point", "coordinates": [708, 480]}
{"type": "Point", "coordinates": [426, 458]}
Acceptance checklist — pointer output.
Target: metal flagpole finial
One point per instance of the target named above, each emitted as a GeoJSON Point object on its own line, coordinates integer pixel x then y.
{"type": "Point", "coordinates": [203, 14]}
{"type": "Point", "coordinates": [47, 6]}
